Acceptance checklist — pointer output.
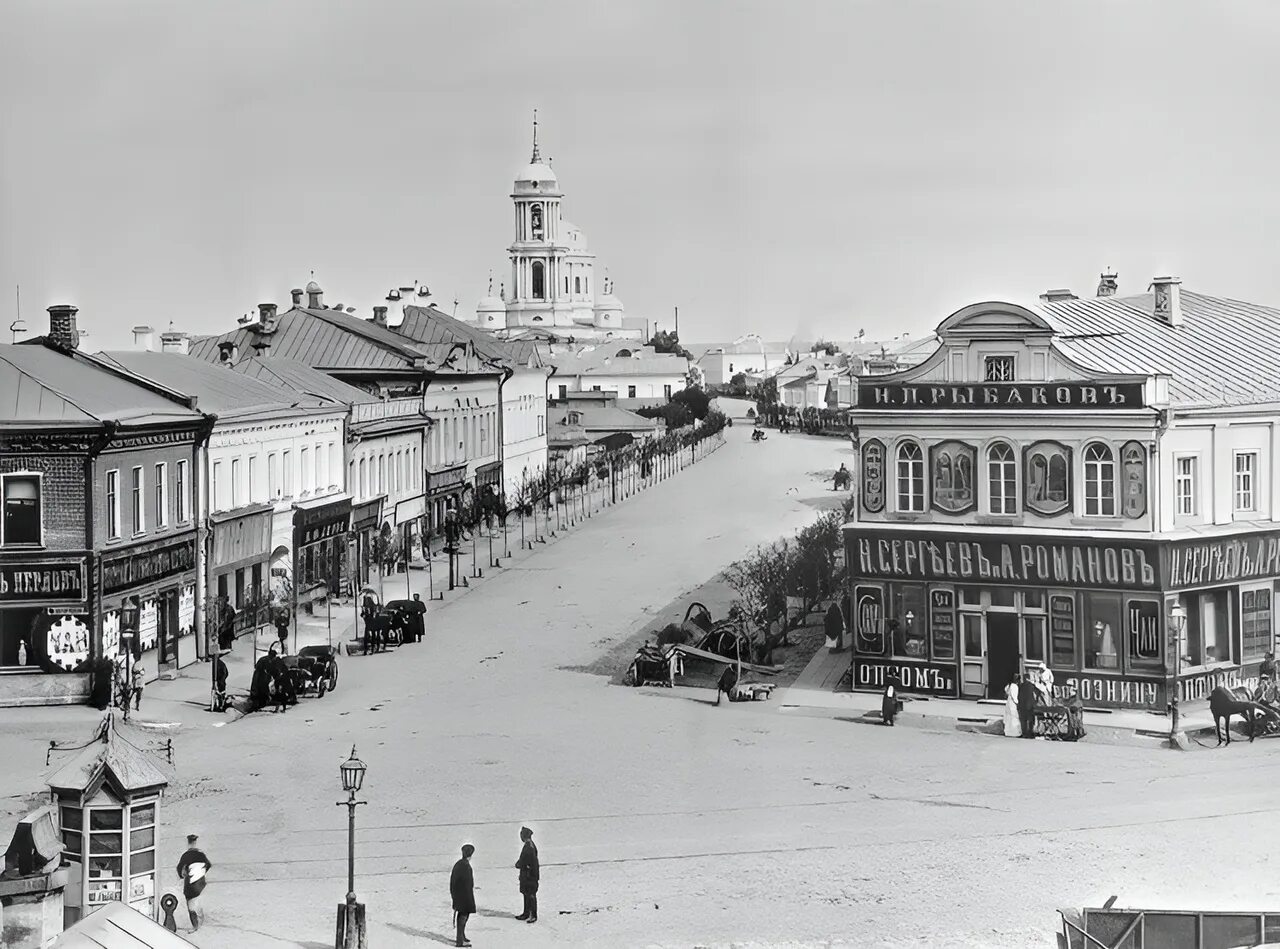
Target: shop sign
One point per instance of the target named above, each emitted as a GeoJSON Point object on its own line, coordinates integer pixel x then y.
{"type": "Point", "coordinates": [410, 510]}
{"type": "Point", "coordinates": [942, 621]}
{"type": "Point", "coordinates": [1217, 562]}
{"type": "Point", "coordinates": [873, 476]}
{"type": "Point", "coordinates": [930, 678]}
{"type": "Point", "coordinates": [312, 525]}
{"type": "Point", "coordinates": [898, 555]}
{"type": "Point", "coordinates": [35, 583]}
{"type": "Point", "coordinates": [1114, 691]}
{"type": "Point", "coordinates": [242, 538]}
{"type": "Point", "coordinates": [448, 478]}
{"type": "Point", "coordinates": [1002, 395]}
{"type": "Point", "coordinates": [868, 612]}
{"type": "Point", "coordinates": [1195, 688]}
{"type": "Point", "coordinates": [365, 516]}
{"type": "Point", "coordinates": [139, 567]}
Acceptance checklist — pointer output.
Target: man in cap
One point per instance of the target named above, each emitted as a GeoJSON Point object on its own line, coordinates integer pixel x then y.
{"type": "Point", "coordinates": [528, 867]}
{"type": "Point", "coordinates": [462, 886]}
{"type": "Point", "coordinates": [192, 869]}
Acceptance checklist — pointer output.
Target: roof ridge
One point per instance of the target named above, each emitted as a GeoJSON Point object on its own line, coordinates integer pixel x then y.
{"type": "Point", "coordinates": [363, 331]}
{"type": "Point", "coordinates": [44, 385]}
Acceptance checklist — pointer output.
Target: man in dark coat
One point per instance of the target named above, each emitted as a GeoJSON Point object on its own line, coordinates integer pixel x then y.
{"type": "Point", "coordinates": [889, 700]}
{"type": "Point", "coordinates": [192, 869]}
{"type": "Point", "coordinates": [417, 618]}
{"type": "Point", "coordinates": [462, 887]}
{"type": "Point", "coordinates": [833, 625]}
{"type": "Point", "coordinates": [528, 867]}
{"type": "Point", "coordinates": [1027, 694]}
{"type": "Point", "coordinates": [226, 624]}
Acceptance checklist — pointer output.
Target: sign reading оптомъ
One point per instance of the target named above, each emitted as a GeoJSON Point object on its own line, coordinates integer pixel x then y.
{"type": "Point", "coordinates": [1051, 562]}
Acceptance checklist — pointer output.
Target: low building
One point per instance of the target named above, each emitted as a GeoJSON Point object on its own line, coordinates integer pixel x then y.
{"type": "Point", "coordinates": [633, 372]}
{"type": "Point", "coordinates": [749, 356]}
{"type": "Point", "coordinates": [596, 418]}
{"type": "Point", "coordinates": [1088, 483]}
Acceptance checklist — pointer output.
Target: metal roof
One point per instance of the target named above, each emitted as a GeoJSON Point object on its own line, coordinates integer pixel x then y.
{"type": "Point", "coordinates": [40, 385]}
{"type": "Point", "coordinates": [432, 327]}
{"type": "Point", "coordinates": [301, 378]}
{"type": "Point", "coordinates": [603, 418]}
{"type": "Point", "coordinates": [1225, 352]}
{"type": "Point", "coordinates": [604, 360]}
{"type": "Point", "coordinates": [118, 926]}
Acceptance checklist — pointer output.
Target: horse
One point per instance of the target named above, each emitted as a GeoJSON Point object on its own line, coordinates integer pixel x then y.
{"type": "Point", "coordinates": [842, 479]}
{"type": "Point", "coordinates": [1223, 704]}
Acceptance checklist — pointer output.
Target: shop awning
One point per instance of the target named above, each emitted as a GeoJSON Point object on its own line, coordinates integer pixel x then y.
{"type": "Point", "coordinates": [117, 925]}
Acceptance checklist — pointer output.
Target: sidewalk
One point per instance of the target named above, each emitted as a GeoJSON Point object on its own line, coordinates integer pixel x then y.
{"type": "Point", "coordinates": [813, 693]}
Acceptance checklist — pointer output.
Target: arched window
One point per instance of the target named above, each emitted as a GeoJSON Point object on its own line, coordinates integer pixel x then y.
{"type": "Point", "coordinates": [1099, 481]}
{"type": "Point", "coordinates": [577, 284]}
{"type": "Point", "coordinates": [539, 280]}
{"type": "Point", "coordinates": [910, 478]}
{"type": "Point", "coordinates": [1002, 479]}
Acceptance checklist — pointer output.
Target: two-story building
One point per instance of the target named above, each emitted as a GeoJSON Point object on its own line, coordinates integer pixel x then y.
{"type": "Point", "coordinates": [1091, 484]}
{"type": "Point", "coordinates": [631, 370]}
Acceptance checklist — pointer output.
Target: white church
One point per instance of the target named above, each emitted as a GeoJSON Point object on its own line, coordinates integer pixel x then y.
{"type": "Point", "coordinates": [554, 290]}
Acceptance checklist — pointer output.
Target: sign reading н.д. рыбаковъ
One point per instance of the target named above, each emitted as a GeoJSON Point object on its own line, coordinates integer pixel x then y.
{"type": "Point", "coordinates": [1002, 395]}
{"type": "Point", "coordinates": [1087, 562]}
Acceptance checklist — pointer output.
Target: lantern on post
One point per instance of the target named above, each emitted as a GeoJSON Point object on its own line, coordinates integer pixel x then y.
{"type": "Point", "coordinates": [1177, 623]}
{"type": "Point", "coordinates": [352, 933]}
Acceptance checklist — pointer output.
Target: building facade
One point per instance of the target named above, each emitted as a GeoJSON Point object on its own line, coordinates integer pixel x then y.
{"type": "Point", "coordinates": [1052, 480]}
{"type": "Point", "coordinates": [633, 372]}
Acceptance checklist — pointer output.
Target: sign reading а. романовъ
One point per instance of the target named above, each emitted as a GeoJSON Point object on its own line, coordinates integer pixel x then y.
{"type": "Point", "coordinates": [899, 555]}
{"type": "Point", "coordinates": [1002, 395]}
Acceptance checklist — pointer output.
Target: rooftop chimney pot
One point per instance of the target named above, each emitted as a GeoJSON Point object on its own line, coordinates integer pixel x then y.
{"type": "Point", "coordinates": [1108, 283]}
{"type": "Point", "coordinates": [297, 297]}
{"type": "Point", "coordinates": [266, 312]}
{"type": "Point", "coordinates": [380, 315]}
{"type": "Point", "coordinates": [63, 331]}
{"type": "Point", "coordinates": [1167, 306]}
{"type": "Point", "coordinates": [315, 299]}
{"type": "Point", "coordinates": [144, 338]}
{"type": "Point", "coordinates": [172, 342]}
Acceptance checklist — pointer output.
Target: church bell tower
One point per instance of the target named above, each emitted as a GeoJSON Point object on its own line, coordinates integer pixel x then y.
{"type": "Point", "coordinates": [537, 253]}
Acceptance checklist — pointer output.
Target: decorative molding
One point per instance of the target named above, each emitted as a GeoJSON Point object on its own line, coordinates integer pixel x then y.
{"type": "Point", "coordinates": [953, 470]}
{"type": "Point", "coordinates": [1133, 479]}
{"type": "Point", "coordinates": [1044, 493]}
{"type": "Point", "coordinates": [874, 475]}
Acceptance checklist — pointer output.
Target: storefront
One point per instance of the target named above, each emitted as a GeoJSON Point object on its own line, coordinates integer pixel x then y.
{"type": "Point", "coordinates": [45, 629]}
{"type": "Point", "coordinates": [959, 614]}
{"type": "Point", "coordinates": [444, 490]}
{"type": "Point", "coordinates": [240, 566]}
{"type": "Point", "coordinates": [365, 521]}
{"type": "Point", "coordinates": [320, 531]}
{"type": "Point", "coordinates": [162, 576]}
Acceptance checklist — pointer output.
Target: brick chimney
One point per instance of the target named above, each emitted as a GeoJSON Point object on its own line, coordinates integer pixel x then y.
{"type": "Point", "coordinates": [174, 342]}
{"type": "Point", "coordinates": [266, 312]}
{"type": "Point", "coordinates": [297, 297]}
{"type": "Point", "coordinates": [380, 315]}
{"type": "Point", "coordinates": [1057, 296]}
{"type": "Point", "coordinates": [1167, 306]}
{"type": "Point", "coordinates": [315, 296]}
{"type": "Point", "coordinates": [63, 331]}
{"type": "Point", "coordinates": [227, 353]}
{"type": "Point", "coordinates": [1108, 283]}
{"type": "Point", "coordinates": [144, 338]}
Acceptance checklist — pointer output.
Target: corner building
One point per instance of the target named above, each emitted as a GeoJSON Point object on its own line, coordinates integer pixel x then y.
{"type": "Point", "coordinates": [1052, 480]}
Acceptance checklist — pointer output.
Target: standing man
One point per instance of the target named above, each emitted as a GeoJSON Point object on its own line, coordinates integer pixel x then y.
{"type": "Point", "coordinates": [226, 623]}
{"type": "Point", "coordinates": [462, 886]}
{"type": "Point", "coordinates": [833, 626]}
{"type": "Point", "coordinates": [282, 629]}
{"type": "Point", "coordinates": [528, 867]}
{"type": "Point", "coordinates": [1026, 706]}
{"type": "Point", "coordinates": [192, 869]}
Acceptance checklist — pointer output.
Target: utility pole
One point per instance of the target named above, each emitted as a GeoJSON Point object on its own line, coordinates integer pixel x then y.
{"type": "Point", "coordinates": [677, 322]}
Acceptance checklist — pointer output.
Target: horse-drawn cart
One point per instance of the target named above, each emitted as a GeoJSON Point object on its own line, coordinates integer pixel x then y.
{"type": "Point", "coordinates": [314, 670]}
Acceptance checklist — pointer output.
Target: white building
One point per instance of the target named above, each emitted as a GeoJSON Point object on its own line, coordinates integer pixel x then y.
{"type": "Point", "coordinates": [749, 356]}
{"type": "Point", "coordinates": [633, 372]}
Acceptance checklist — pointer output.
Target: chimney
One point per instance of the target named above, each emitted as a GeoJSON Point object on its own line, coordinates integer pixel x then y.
{"type": "Point", "coordinates": [172, 342]}
{"type": "Point", "coordinates": [63, 331]}
{"type": "Point", "coordinates": [1057, 296]}
{"type": "Point", "coordinates": [1168, 300]}
{"type": "Point", "coordinates": [1108, 283]}
{"type": "Point", "coordinates": [297, 297]}
{"type": "Point", "coordinates": [266, 312]}
{"type": "Point", "coordinates": [315, 296]}
{"type": "Point", "coordinates": [32, 885]}
{"type": "Point", "coordinates": [262, 347]}
{"type": "Point", "coordinates": [380, 315]}
{"type": "Point", "coordinates": [227, 352]}
{"type": "Point", "coordinates": [144, 338]}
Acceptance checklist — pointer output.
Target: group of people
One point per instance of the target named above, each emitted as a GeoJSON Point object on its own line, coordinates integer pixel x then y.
{"type": "Point", "coordinates": [399, 621]}
{"type": "Point", "coordinates": [462, 885]}
{"type": "Point", "coordinates": [1023, 693]}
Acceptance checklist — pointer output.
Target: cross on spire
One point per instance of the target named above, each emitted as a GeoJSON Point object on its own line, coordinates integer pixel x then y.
{"type": "Point", "coordinates": [536, 157]}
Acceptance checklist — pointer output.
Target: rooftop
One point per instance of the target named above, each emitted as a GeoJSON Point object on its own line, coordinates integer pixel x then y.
{"type": "Point", "coordinates": [595, 419]}
{"type": "Point", "coordinates": [619, 359]}
{"type": "Point", "coordinates": [302, 379]}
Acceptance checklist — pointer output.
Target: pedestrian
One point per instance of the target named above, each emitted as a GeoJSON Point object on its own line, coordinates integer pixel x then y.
{"type": "Point", "coordinates": [417, 619]}
{"type": "Point", "coordinates": [1012, 717]}
{"type": "Point", "coordinates": [192, 868]}
{"type": "Point", "coordinates": [1268, 668]}
{"type": "Point", "coordinates": [282, 629]}
{"type": "Point", "coordinates": [1027, 693]}
{"type": "Point", "coordinates": [226, 624]}
{"type": "Point", "coordinates": [219, 685]}
{"type": "Point", "coordinates": [137, 682]}
{"type": "Point", "coordinates": [833, 626]}
{"type": "Point", "coordinates": [528, 867]}
{"type": "Point", "coordinates": [889, 700]}
{"type": "Point", "coordinates": [462, 888]}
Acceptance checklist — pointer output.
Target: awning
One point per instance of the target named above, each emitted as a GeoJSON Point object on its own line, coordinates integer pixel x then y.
{"type": "Point", "coordinates": [240, 540]}
{"type": "Point", "coordinates": [117, 925]}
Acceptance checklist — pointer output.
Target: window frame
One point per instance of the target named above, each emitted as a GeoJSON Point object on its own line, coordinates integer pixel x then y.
{"type": "Point", "coordinates": [161, 494]}
{"type": "Point", "coordinates": [898, 476]}
{"type": "Point", "coordinates": [181, 481]}
{"type": "Point", "coordinates": [1251, 474]}
{"type": "Point", "coordinates": [1191, 479]}
{"type": "Point", "coordinates": [989, 359]}
{"type": "Point", "coordinates": [8, 476]}
{"type": "Point", "coordinates": [111, 489]}
{"type": "Point", "coordinates": [137, 493]}
{"type": "Point", "coordinates": [1009, 476]}
{"type": "Point", "coordinates": [1092, 470]}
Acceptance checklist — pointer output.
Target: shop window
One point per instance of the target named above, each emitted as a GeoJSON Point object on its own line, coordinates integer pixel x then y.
{"type": "Point", "coordinates": [1246, 466]}
{"type": "Point", "coordinates": [1142, 634]}
{"type": "Point", "coordinates": [910, 478]}
{"type": "Point", "coordinates": [951, 473]}
{"type": "Point", "coordinates": [1208, 634]}
{"type": "Point", "coordinates": [971, 634]}
{"type": "Point", "coordinates": [1184, 485]}
{"type": "Point", "coordinates": [1062, 630]}
{"type": "Point", "coordinates": [180, 486]}
{"type": "Point", "coordinates": [18, 647]}
{"type": "Point", "coordinates": [631, 392]}
{"type": "Point", "coordinates": [1002, 479]}
{"type": "Point", "coordinates": [1099, 481]}
{"type": "Point", "coordinates": [1033, 600]}
{"type": "Point", "coordinates": [970, 596]}
{"type": "Point", "coordinates": [1002, 597]}
{"type": "Point", "coordinates": [1255, 623]}
{"type": "Point", "coordinates": [1033, 639]}
{"type": "Point", "coordinates": [22, 515]}
{"type": "Point", "coordinates": [1102, 632]}
{"type": "Point", "coordinates": [908, 623]}
{"type": "Point", "coordinates": [1048, 479]}
{"type": "Point", "coordinates": [997, 368]}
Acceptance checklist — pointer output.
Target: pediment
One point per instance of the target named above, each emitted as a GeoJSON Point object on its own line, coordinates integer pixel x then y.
{"type": "Point", "coordinates": [994, 319]}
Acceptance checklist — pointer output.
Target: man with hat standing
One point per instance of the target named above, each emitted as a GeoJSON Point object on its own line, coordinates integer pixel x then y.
{"type": "Point", "coordinates": [192, 868]}
{"type": "Point", "coordinates": [462, 886]}
{"type": "Point", "coordinates": [528, 867]}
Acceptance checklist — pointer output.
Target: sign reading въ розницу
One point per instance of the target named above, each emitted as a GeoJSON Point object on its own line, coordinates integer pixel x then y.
{"type": "Point", "coordinates": [1002, 395]}
{"type": "Point", "coordinates": [1038, 561]}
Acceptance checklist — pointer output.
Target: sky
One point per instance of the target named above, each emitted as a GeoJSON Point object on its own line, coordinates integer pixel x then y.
{"type": "Point", "coordinates": [789, 168]}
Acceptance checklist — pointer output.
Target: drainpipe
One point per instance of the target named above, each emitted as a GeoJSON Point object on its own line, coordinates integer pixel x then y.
{"type": "Point", "coordinates": [93, 563]}
{"type": "Point", "coordinates": [203, 534]}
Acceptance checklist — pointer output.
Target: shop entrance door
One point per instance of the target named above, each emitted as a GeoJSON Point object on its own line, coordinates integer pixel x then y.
{"type": "Point", "coordinates": [1002, 652]}
{"type": "Point", "coordinates": [973, 683]}
{"type": "Point", "coordinates": [166, 631]}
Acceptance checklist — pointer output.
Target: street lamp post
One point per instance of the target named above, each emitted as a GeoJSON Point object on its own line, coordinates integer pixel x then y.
{"type": "Point", "coordinates": [1177, 623]}
{"type": "Point", "coordinates": [352, 933]}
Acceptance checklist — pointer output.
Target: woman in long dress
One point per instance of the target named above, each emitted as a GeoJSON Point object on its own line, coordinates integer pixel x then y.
{"type": "Point", "coordinates": [1012, 724]}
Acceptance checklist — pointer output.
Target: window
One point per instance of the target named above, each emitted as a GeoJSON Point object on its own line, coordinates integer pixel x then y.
{"type": "Point", "coordinates": [1002, 479]}
{"type": "Point", "coordinates": [273, 476]}
{"type": "Point", "coordinates": [321, 468]}
{"type": "Point", "coordinates": [1102, 631]}
{"type": "Point", "coordinates": [22, 521]}
{"type": "Point", "coordinates": [564, 392]}
{"type": "Point", "coordinates": [1033, 638]}
{"type": "Point", "coordinates": [541, 423]}
{"type": "Point", "coordinates": [139, 514]}
{"type": "Point", "coordinates": [1255, 623]}
{"type": "Point", "coordinates": [539, 273]}
{"type": "Point", "coordinates": [215, 487]}
{"type": "Point", "coordinates": [162, 495]}
{"type": "Point", "coordinates": [997, 368]}
{"type": "Point", "coordinates": [577, 284]}
{"type": "Point", "coordinates": [364, 483]}
{"type": "Point", "coordinates": [1142, 634]}
{"type": "Point", "coordinates": [631, 392]}
{"type": "Point", "coordinates": [1184, 486]}
{"type": "Point", "coordinates": [287, 465]}
{"type": "Point", "coordinates": [910, 478]}
{"type": "Point", "coordinates": [1099, 481]}
{"type": "Point", "coordinates": [1062, 630]}
{"type": "Point", "coordinates": [251, 494]}
{"type": "Point", "coordinates": [382, 474]}
{"type": "Point", "coordinates": [666, 391]}
{"type": "Point", "coordinates": [335, 464]}
{"type": "Point", "coordinates": [180, 486]}
{"type": "Point", "coordinates": [237, 487]}
{"type": "Point", "coordinates": [566, 283]}
{"type": "Point", "coordinates": [1048, 485]}
{"type": "Point", "coordinates": [1246, 468]}
{"type": "Point", "coordinates": [306, 469]}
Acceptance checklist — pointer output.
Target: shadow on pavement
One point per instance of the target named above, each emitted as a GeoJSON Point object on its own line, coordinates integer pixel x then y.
{"type": "Point", "coordinates": [423, 934]}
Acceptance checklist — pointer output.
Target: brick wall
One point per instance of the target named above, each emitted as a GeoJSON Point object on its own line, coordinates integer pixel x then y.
{"type": "Point", "coordinates": [62, 489]}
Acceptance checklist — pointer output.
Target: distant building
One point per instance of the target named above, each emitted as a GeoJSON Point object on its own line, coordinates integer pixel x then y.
{"type": "Point", "coordinates": [589, 421]}
{"type": "Point", "coordinates": [631, 371]}
{"type": "Point", "coordinates": [749, 356]}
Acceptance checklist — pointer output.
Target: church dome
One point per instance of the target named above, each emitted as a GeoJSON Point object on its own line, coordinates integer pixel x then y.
{"type": "Point", "coordinates": [491, 304]}
{"type": "Point", "coordinates": [536, 173]}
{"type": "Point", "coordinates": [313, 287]}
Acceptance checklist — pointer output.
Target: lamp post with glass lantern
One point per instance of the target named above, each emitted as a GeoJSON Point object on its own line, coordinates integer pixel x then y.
{"type": "Point", "coordinates": [351, 921]}
{"type": "Point", "coordinates": [1177, 623]}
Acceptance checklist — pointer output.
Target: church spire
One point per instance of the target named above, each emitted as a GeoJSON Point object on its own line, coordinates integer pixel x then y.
{"type": "Point", "coordinates": [536, 157]}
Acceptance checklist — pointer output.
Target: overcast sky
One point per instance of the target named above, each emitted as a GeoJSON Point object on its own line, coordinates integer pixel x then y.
{"type": "Point", "coordinates": [784, 167]}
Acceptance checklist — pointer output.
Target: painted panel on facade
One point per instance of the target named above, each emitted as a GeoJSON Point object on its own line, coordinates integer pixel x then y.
{"type": "Point", "coordinates": [952, 466]}
{"type": "Point", "coordinates": [1047, 475]}
{"type": "Point", "coordinates": [132, 568]}
{"type": "Point", "coordinates": [873, 476]}
{"type": "Point", "coordinates": [868, 623]}
{"type": "Point", "coordinates": [910, 396]}
{"type": "Point", "coordinates": [38, 584]}
{"type": "Point", "coordinates": [1089, 563]}
{"type": "Point", "coordinates": [929, 678]}
{"type": "Point", "coordinates": [942, 622]}
{"type": "Point", "coordinates": [1133, 479]}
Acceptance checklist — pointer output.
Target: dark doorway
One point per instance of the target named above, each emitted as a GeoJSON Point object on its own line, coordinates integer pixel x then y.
{"type": "Point", "coordinates": [1002, 652]}
{"type": "Point", "coordinates": [166, 631]}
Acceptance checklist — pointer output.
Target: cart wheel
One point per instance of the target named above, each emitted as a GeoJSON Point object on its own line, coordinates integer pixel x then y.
{"type": "Point", "coordinates": [333, 676]}
{"type": "Point", "coordinates": [632, 676]}
{"type": "Point", "coordinates": [320, 689]}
